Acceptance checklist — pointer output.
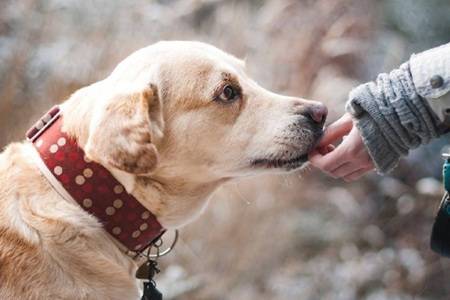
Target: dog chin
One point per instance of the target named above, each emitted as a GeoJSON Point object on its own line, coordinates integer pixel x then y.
{"type": "Point", "coordinates": [283, 164]}
{"type": "Point", "coordinates": [280, 163]}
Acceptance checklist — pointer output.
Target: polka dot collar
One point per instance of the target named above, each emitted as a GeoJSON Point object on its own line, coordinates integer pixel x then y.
{"type": "Point", "coordinates": [91, 185]}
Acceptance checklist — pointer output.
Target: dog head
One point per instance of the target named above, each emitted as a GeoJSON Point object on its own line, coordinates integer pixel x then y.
{"type": "Point", "coordinates": [196, 111]}
{"type": "Point", "coordinates": [187, 112]}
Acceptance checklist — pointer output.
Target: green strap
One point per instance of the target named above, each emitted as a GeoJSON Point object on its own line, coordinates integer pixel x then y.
{"type": "Point", "coordinates": [446, 175]}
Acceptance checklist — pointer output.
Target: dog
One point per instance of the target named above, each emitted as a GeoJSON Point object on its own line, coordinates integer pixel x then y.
{"type": "Point", "coordinates": [171, 123]}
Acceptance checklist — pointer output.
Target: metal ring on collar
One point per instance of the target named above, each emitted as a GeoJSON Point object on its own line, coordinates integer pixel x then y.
{"type": "Point", "coordinates": [168, 250]}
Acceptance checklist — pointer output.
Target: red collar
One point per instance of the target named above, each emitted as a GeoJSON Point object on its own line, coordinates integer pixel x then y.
{"type": "Point", "coordinates": [91, 185]}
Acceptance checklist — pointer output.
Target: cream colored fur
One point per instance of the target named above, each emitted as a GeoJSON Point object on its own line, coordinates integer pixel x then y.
{"type": "Point", "coordinates": [158, 124]}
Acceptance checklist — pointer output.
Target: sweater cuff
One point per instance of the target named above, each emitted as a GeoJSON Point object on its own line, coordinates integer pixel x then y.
{"type": "Point", "coordinates": [391, 117]}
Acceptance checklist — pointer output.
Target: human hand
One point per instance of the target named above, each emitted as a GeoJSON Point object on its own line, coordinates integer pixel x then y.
{"type": "Point", "coordinates": [350, 159]}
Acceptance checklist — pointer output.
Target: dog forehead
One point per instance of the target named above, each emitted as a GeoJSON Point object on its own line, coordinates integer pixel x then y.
{"type": "Point", "coordinates": [199, 51]}
{"type": "Point", "coordinates": [186, 55]}
{"type": "Point", "coordinates": [177, 57]}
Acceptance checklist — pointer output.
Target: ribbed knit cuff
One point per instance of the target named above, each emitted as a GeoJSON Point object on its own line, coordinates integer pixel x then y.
{"type": "Point", "coordinates": [384, 157]}
{"type": "Point", "coordinates": [391, 117]}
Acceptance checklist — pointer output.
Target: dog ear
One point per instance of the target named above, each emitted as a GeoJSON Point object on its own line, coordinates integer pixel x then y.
{"type": "Point", "coordinates": [123, 135]}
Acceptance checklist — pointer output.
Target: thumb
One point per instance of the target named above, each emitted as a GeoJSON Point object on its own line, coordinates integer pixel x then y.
{"type": "Point", "coordinates": [336, 130]}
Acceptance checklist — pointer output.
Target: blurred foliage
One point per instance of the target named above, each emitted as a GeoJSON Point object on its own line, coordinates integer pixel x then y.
{"type": "Point", "coordinates": [423, 23]}
{"type": "Point", "coordinates": [272, 237]}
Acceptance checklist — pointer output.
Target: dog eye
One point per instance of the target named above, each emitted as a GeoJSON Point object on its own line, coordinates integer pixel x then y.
{"type": "Point", "coordinates": [229, 93]}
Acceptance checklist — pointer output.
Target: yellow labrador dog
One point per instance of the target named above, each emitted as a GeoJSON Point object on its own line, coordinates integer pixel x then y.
{"type": "Point", "coordinates": [171, 123]}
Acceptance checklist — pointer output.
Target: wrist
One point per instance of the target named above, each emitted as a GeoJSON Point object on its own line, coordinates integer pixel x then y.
{"type": "Point", "coordinates": [383, 156]}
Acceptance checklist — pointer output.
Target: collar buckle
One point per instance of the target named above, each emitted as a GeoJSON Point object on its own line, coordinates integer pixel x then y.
{"type": "Point", "coordinates": [156, 244]}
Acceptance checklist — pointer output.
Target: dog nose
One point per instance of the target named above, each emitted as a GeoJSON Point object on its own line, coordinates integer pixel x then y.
{"type": "Point", "coordinates": [317, 113]}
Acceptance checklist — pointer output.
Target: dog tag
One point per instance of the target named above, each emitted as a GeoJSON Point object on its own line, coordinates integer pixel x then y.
{"type": "Point", "coordinates": [143, 272]}
{"type": "Point", "coordinates": [148, 270]}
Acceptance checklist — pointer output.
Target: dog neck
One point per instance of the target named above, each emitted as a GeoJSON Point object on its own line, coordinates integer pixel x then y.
{"type": "Point", "coordinates": [176, 201]}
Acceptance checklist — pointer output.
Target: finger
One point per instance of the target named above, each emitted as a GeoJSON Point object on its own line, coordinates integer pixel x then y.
{"type": "Point", "coordinates": [325, 150]}
{"type": "Point", "coordinates": [345, 169]}
{"type": "Point", "coordinates": [330, 161]}
{"type": "Point", "coordinates": [315, 157]}
{"type": "Point", "coordinates": [319, 152]}
{"type": "Point", "coordinates": [336, 130]}
{"type": "Point", "coordinates": [357, 174]}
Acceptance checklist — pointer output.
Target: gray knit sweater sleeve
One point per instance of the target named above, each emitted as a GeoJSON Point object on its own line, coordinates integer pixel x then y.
{"type": "Point", "coordinates": [392, 117]}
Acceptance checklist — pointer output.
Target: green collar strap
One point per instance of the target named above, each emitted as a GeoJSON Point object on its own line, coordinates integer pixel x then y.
{"type": "Point", "coordinates": [440, 235]}
{"type": "Point", "coordinates": [446, 172]}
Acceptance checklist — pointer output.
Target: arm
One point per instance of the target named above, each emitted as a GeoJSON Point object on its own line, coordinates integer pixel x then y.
{"type": "Point", "coordinates": [398, 112]}
{"type": "Point", "coordinates": [430, 71]}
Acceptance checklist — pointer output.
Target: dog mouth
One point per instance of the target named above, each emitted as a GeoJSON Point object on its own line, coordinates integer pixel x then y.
{"type": "Point", "coordinates": [287, 164]}
{"type": "Point", "coordinates": [290, 163]}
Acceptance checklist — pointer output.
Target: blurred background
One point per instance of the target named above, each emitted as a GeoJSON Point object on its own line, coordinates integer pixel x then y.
{"type": "Point", "coordinates": [296, 236]}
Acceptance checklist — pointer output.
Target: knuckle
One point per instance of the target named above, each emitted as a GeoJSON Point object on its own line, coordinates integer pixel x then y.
{"type": "Point", "coordinates": [340, 174]}
{"type": "Point", "coordinates": [329, 168]}
{"type": "Point", "coordinates": [331, 174]}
